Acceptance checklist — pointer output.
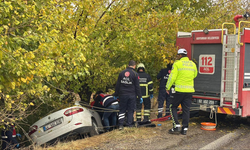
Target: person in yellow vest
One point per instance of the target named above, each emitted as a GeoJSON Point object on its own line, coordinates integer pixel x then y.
{"type": "Point", "coordinates": [182, 77]}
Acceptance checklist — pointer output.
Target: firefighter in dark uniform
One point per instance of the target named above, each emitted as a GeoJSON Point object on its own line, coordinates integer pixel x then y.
{"type": "Point", "coordinates": [8, 135]}
{"type": "Point", "coordinates": [182, 76]}
{"type": "Point", "coordinates": [146, 85]}
{"type": "Point", "coordinates": [163, 95]}
{"type": "Point", "coordinates": [127, 88]}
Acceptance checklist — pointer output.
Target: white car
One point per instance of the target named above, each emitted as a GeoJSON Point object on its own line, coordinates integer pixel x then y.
{"type": "Point", "coordinates": [65, 122]}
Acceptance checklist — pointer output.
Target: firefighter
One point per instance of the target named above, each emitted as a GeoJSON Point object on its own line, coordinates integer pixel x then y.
{"type": "Point", "coordinates": [163, 95]}
{"type": "Point", "coordinates": [110, 114]}
{"type": "Point", "coordinates": [146, 85]}
{"type": "Point", "coordinates": [8, 135]}
{"type": "Point", "coordinates": [182, 76]}
{"type": "Point", "coordinates": [127, 88]}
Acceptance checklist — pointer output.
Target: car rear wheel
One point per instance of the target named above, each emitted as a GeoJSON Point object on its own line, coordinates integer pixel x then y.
{"type": "Point", "coordinates": [94, 130]}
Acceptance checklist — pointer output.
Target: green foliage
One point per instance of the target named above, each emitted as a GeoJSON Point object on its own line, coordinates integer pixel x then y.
{"type": "Point", "coordinates": [50, 48]}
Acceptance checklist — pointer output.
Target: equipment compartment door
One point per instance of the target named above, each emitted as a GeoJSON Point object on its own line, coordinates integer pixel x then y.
{"type": "Point", "coordinates": [209, 83]}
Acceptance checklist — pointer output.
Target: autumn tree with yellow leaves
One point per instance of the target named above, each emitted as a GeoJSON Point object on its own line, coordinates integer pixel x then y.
{"type": "Point", "coordinates": [50, 49]}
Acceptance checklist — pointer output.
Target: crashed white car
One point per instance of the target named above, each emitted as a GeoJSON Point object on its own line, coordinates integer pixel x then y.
{"type": "Point", "coordinates": [72, 120]}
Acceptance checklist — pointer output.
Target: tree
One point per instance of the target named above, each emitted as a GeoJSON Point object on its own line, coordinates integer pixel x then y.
{"type": "Point", "coordinates": [51, 49]}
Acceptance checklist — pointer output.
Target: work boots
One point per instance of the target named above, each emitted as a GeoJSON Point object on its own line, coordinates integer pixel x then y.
{"type": "Point", "coordinates": [121, 127]}
{"type": "Point", "coordinates": [184, 131]}
{"type": "Point", "coordinates": [175, 130]}
{"type": "Point", "coordinates": [178, 130]}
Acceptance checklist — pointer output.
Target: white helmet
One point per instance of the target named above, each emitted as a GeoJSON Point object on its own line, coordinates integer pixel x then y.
{"type": "Point", "coordinates": [141, 65]}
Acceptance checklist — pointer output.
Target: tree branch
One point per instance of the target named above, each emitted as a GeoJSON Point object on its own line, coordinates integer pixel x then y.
{"type": "Point", "coordinates": [104, 12]}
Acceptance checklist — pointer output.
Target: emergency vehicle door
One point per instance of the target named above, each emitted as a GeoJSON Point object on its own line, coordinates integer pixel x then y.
{"type": "Point", "coordinates": [209, 78]}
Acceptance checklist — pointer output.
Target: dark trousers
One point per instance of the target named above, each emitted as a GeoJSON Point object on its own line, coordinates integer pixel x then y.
{"type": "Point", "coordinates": [163, 95]}
{"type": "Point", "coordinates": [147, 107]}
{"type": "Point", "coordinates": [7, 144]}
{"type": "Point", "coordinates": [185, 100]}
{"type": "Point", "coordinates": [110, 117]}
{"type": "Point", "coordinates": [127, 103]}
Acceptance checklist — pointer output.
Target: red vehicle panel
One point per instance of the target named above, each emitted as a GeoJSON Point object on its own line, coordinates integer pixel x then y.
{"type": "Point", "coordinates": [212, 53]}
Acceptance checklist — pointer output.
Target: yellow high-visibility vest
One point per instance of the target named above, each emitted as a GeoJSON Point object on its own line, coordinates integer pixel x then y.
{"type": "Point", "coordinates": [182, 76]}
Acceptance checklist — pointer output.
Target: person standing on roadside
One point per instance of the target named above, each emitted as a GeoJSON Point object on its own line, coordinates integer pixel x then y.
{"type": "Point", "coordinates": [163, 95]}
{"type": "Point", "coordinates": [127, 88]}
{"type": "Point", "coordinates": [146, 85]}
{"type": "Point", "coordinates": [182, 76]}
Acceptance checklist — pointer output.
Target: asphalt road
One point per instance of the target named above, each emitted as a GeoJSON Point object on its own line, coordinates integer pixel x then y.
{"type": "Point", "coordinates": [231, 133]}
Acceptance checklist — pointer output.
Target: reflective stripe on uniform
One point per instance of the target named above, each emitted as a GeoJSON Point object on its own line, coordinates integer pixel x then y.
{"type": "Point", "coordinates": [115, 103]}
{"type": "Point", "coordinates": [4, 137]}
{"type": "Point", "coordinates": [188, 69]}
{"type": "Point", "coordinates": [106, 99]}
{"type": "Point", "coordinates": [151, 82]}
{"type": "Point", "coordinates": [121, 116]}
{"type": "Point", "coordinates": [184, 86]}
{"type": "Point", "coordinates": [168, 83]}
{"type": "Point", "coordinates": [146, 112]}
{"type": "Point", "coordinates": [160, 110]}
{"type": "Point", "coordinates": [139, 113]}
{"type": "Point", "coordinates": [146, 86]}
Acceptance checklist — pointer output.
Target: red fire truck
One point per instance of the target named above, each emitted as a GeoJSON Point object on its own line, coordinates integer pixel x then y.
{"type": "Point", "coordinates": [223, 62]}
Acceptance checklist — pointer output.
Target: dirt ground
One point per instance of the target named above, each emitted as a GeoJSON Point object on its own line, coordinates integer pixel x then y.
{"type": "Point", "coordinates": [159, 138]}
{"type": "Point", "coordinates": [156, 137]}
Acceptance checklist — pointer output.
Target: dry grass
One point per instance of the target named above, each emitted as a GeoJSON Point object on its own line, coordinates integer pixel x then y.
{"type": "Point", "coordinates": [115, 135]}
